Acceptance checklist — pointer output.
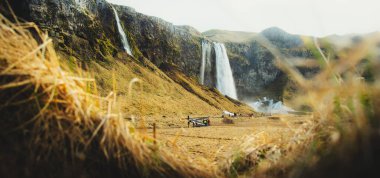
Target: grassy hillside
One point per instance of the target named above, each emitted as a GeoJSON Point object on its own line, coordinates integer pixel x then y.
{"type": "Point", "coordinates": [145, 90]}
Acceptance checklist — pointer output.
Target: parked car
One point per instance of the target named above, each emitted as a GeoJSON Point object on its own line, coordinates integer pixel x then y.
{"type": "Point", "coordinates": [199, 122]}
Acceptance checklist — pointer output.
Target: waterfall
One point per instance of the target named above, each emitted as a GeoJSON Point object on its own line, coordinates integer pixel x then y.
{"type": "Point", "coordinates": [123, 37]}
{"type": "Point", "coordinates": [206, 60]}
{"type": "Point", "coordinates": [224, 78]}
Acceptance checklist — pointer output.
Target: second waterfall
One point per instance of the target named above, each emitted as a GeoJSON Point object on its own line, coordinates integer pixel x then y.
{"type": "Point", "coordinates": [123, 37]}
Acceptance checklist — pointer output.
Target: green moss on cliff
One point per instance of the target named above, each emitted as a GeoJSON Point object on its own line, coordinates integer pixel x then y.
{"type": "Point", "coordinates": [105, 48]}
{"type": "Point", "coordinates": [132, 42]}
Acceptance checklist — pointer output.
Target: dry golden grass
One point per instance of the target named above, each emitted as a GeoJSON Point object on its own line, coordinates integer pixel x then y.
{"type": "Point", "coordinates": [50, 120]}
{"type": "Point", "coordinates": [218, 142]}
{"type": "Point", "coordinates": [342, 137]}
{"type": "Point", "coordinates": [155, 94]}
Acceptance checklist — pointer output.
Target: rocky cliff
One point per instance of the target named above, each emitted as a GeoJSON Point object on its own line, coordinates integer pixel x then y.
{"type": "Point", "coordinates": [86, 28]}
{"type": "Point", "coordinates": [255, 73]}
{"type": "Point", "coordinates": [82, 28]}
{"type": "Point", "coordinates": [163, 42]}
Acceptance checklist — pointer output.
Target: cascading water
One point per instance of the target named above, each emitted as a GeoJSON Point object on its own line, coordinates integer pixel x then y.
{"type": "Point", "coordinates": [206, 60]}
{"type": "Point", "coordinates": [224, 79]}
{"type": "Point", "coordinates": [123, 37]}
{"type": "Point", "coordinates": [268, 106]}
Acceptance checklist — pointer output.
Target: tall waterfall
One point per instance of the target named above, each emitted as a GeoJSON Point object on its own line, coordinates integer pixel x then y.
{"type": "Point", "coordinates": [123, 37]}
{"type": "Point", "coordinates": [224, 79]}
{"type": "Point", "coordinates": [206, 60]}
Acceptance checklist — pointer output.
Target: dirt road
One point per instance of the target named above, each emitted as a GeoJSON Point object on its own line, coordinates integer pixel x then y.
{"type": "Point", "coordinates": [219, 140]}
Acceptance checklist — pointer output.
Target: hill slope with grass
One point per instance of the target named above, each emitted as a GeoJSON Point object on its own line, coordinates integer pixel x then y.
{"type": "Point", "coordinates": [85, 35]}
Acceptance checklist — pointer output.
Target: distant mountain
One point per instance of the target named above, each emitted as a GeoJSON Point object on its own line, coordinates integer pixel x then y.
{"type": "Point", "coordinates": [229, 36]}
{"type": "Point", "coordinates": [277, 36]}
{"type": "Point", "coordinates": [281, 38]}
{"type": "Point", "coordinates": [346, 41]}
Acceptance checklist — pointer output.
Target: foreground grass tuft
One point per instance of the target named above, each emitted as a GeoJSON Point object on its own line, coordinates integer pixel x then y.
{"type": "Point", "coordinates": [54, 125]}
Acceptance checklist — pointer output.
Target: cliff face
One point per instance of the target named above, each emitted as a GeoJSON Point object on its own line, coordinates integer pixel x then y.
{"type": "Point", "coordinates": [87, 29]}
{"type": "Point", "coordinates": [82, 28]}
{"type": "Point", "coordinates": [254, 71]}
{"type": "Point", "coordinates": [161, 41]}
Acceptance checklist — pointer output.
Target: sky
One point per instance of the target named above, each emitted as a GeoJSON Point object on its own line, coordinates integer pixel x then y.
{"type": "Point", "coordinates": [306, 17]}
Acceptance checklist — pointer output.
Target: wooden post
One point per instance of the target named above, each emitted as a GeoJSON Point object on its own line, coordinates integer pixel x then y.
{"type": "Point", "coordinates": [154, 133]}
{"type": "Point", "coordinates": [188, 121]}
